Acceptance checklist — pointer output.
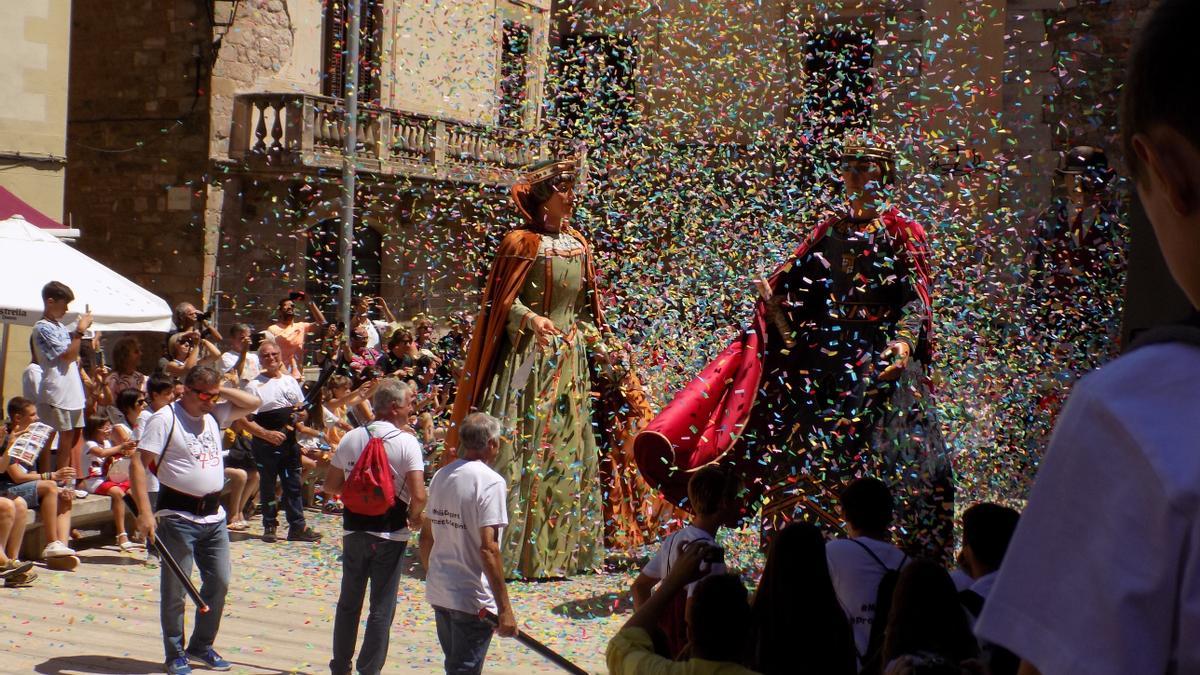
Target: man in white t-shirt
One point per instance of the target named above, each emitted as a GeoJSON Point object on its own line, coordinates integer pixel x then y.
{"type": "Point", "coordinates": [460, 548]}
{"type": "Point", "coordinates": [857, 565]}
{"type": "Point", "coordinates": [987, 530]}
{"type": "Point", "coordinates": [239, 359]}
{"type": "Point", "coordinates": [373, 546]}
{"type": "Point", "coordinates": [276, 450]}
{"type": "Point", "coordinates": [1103, 572]}
{"type": "Point", "coordinates": [61, 399]}
{"type": "Point", "coordinates": [183, 442]}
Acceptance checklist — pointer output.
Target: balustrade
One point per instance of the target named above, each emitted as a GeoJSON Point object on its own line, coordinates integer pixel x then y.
{"type": "Point", "coordinates": [307, 131]}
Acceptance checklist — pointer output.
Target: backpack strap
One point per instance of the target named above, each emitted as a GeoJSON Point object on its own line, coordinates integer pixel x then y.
{"type": "Point", "coordinates": [388, 437]}
{"type": "Point", "coordinates": [877, 558]}
{"type": "Point", "coordinates": [875, 641]}
{"type": "Point", "coordinates": [162, 456]}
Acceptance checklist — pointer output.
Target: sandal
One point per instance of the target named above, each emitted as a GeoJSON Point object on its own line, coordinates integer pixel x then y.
{"type": "Point", "coordinates": [332, 507]}
{"type": "Point", "coordinates": [127, 545]}
{"type": "Point", "coordinates": [239, 526]}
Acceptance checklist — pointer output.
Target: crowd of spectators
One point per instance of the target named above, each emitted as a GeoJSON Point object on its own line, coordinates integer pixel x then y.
{"type": "Point", "coordinates": [837, 605]}
{"type": "Point", "coordinates": [86, 401]}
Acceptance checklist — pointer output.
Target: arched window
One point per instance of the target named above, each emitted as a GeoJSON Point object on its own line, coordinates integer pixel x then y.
{"type": "Point", "coordinates": [323, 281]}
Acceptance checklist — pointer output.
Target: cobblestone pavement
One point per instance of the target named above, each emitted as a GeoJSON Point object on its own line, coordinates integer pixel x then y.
{"type": "Point", "coordinates": [103, 617]}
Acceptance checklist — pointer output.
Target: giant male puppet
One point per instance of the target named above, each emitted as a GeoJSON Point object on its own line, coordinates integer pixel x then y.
{"type": "Point", "coordinates": [830, 380]}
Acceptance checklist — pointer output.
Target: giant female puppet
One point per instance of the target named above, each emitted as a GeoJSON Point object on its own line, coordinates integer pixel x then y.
{"type": "Point", "coordinates": [830, 379]}
{"type": "Point", "coordinates": [542, 361]}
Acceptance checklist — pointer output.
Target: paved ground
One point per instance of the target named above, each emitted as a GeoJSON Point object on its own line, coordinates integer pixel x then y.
{"type": "Point", "coordinates": [103, 617]}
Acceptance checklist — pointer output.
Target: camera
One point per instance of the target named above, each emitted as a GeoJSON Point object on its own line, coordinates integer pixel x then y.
{"type": "Point", "coordinates": [297, 295]}
{"type": "Point", "coordinates": [204, 316]}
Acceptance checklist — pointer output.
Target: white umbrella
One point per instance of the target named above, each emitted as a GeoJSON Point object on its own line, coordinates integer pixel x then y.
{"type": "Point", "coordinates": [30, 257]}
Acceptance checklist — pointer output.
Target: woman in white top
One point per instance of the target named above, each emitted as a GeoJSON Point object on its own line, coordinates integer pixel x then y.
{"type": "Point", "coordinates": [184, 354]}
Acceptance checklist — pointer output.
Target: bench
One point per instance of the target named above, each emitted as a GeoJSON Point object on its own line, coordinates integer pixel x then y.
{"type": "Point", "coordinates": [93, 512]}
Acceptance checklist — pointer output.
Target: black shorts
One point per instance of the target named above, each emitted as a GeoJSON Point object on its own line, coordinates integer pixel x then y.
{"type": "Point", "coordinates": [246, 463]}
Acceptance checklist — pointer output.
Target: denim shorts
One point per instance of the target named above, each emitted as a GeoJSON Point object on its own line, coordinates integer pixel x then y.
{"type": "Point", "coordinates": [27, 491]}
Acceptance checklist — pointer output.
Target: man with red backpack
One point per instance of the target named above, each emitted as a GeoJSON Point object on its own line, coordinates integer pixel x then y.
{"type": "Point", "coordinates": [379, 472]}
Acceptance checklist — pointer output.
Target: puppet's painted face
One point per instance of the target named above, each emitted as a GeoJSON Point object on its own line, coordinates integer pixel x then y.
{"type": "Point", "coordinates": [560, 205]}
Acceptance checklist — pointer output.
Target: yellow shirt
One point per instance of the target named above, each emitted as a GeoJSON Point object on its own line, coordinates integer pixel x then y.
{"type": "Point", "coordinates": [631, 652]}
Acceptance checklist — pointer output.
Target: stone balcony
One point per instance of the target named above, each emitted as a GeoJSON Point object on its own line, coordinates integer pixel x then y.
{"type": "Point", "coordinates": [303, 132]}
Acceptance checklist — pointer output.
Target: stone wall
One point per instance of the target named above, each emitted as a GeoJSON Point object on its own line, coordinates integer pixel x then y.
{"type": "Point", "coordinates": [1064, 64]}
{"type": "Point", "coordinates": [138, 137]}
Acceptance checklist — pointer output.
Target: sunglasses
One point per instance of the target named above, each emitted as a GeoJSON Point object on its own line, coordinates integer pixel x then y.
{"type": "Point", "coordinates": [140, 401]}
{"type": "Point", "coordinates": [207, 396]}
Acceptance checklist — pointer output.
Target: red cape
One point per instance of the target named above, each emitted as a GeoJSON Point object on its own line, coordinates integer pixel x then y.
{"type": "Point", "coordinates": [704, 420]}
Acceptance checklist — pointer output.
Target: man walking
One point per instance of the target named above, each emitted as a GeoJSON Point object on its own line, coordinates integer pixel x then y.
{"type": "Point", "coordinates": [182, 444]}
{"type": "Point", "coordinates": [460, 548]}
{"type": "Point", "coordinates": [373, 546]}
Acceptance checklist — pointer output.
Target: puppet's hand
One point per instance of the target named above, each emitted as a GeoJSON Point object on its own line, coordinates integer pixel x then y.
{"type": "Point", "coordinates": [543, 329]}
{"type": "Point", "coordinates": [900, 353]}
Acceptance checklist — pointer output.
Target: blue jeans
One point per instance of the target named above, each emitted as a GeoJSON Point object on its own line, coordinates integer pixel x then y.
{"type": "Point", "coordinates": [208, 546]}
{"type": "Point", "coordinates": [465, 639]}
{"type": "Point", "coordinates": [366, 557]}
{"type": "Point", "coordinates": [282, 463]}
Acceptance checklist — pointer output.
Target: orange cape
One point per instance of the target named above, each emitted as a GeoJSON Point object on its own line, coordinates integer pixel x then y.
{"type": "Point", "coordinates": [633, 514]}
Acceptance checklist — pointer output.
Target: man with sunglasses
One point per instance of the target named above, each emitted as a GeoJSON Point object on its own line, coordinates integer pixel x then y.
{"type": "Point", "coordinates": [276, 451]}
{"type": "Point", "coordinates": [181, 442]}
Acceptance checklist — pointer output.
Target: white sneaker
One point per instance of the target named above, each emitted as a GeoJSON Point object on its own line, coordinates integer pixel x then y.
{"type": "Point", "coordinates": [57, 549]}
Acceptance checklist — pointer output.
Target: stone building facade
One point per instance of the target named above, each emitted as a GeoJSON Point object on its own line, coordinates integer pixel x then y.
{"type": "Point", "coordinates": [998, 87]}
{"type": "Point", "coordinates": [206, 139]}
{"type": "Point", "coordinates": [216, 141]}
{"type": "Point", "coordinates": [34, 41]}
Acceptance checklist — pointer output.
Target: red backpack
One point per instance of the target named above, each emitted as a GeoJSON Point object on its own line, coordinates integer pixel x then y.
{"type": "Point", "coordinates": [370, 490]}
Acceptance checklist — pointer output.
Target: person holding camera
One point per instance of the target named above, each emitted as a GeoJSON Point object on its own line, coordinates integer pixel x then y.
{"type": "Point", "coordinates": [61, 398]}
{"type": "Point", "coordinates": [375, 329]}
{"type": "Point", "coordinates": [290, 334]}
{"type": "Point", "coordinates": [188, 319]}
{"type": "Point", "coordinates": [276, 450]}
{"type": "Point", "coordinates": [185, 351]}
{"type": "Point", "coordinates": [718, 621]}
{"type": "Point", "coordinates": [712, 494]}
{"type": "Point", "coordinates": [239, 362]}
